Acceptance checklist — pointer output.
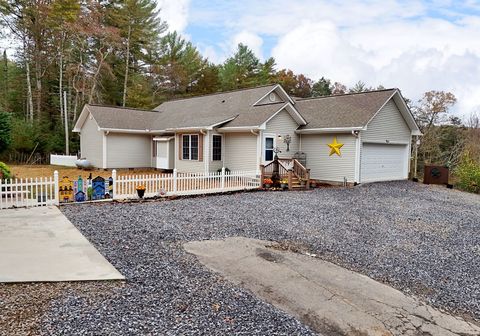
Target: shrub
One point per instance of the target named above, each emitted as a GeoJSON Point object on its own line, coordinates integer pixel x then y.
{"type": "Point", "coordinates": [5, 131]}
{"type": "Point", "coordinates": [4, 171]}
{"type": "Point", "coordinates": [468, 173]}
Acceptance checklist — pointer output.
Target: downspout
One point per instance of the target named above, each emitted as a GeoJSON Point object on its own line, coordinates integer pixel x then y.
{"type": "Point", "coordinates": [356, 134]}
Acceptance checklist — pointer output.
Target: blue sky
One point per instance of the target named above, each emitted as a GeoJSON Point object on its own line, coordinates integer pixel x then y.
{"type": "Point", "coordinates": [413, 45]}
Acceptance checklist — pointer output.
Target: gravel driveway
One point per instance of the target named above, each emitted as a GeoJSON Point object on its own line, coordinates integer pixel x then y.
{"type": "Point", "coordinates": [419, 239]}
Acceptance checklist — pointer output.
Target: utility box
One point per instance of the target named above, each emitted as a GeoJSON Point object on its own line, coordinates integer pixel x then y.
{"type": "Point", "coordinates": [435, 175]}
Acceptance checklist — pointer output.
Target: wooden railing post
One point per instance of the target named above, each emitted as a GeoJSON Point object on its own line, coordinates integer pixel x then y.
{"type": "Point", "coordinates": [262, 174]}
{"type": "Point", "coordinates": [307, 176]}
{"type": "Point", "coordinates": [290, 173]}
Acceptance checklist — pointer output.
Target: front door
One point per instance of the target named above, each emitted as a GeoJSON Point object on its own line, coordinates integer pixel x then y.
{"type": "Point", "coordinates": [269, 145]}
{"type": "Point", "coordinates": [162, 155]}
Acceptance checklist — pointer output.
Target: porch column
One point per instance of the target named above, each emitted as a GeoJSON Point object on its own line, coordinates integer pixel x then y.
{"type": "Point", "coordinates": [259, 151]}
{"type": "Point", "coordinates": [206, 151]}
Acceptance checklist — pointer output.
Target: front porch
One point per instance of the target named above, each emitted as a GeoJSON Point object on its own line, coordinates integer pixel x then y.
{"type": "Point", "coordinates": [291, 170]}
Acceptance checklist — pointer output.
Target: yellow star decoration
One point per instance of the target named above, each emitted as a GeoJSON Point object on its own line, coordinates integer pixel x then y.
{"type": "Point", "coordinates": [335, 147]}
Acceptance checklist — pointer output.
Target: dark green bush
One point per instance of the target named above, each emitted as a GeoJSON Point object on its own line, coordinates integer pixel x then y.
{"type": "Point", "coordinates": [4, 171]}
{"type": "Point", "coordinates": [5, 131]}
{"type": "Point", "coordinates": [468, 174]}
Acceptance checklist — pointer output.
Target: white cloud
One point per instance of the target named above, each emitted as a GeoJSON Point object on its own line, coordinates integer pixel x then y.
{"type": "Point", "coordinates": [414, 45]}
{"type": "Point", "coordinates": [253, 41]}
{"type": "Point", "coordinates": [175, 13]}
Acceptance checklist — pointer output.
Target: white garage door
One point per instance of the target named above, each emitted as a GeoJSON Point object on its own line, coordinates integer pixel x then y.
{"type": "Point", "coordinates": [382, 162]}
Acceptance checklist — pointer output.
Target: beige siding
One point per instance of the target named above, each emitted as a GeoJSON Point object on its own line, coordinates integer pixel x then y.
{"type": "Point", "coordinates": [268, 100]}
{"type": "Point", "coordinates": [188, 166]}
{"type": "Point", "coordinates": [91, 142]}
{"type": "Point", "coordinates": [129, 150]}
{"type": "Point", "coordinates": [387, 125]}
{"type": "Point", "coordinates": [329, 168]}
{"type": "Point", "coordinates": [241, 151]}
{"type": "Point", "coordinates": [283, 124]}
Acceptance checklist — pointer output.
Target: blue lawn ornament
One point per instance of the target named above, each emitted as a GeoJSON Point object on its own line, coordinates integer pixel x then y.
{"type": "Point", "coordinates": [98, 186]}
{"type": "Point", "coordinates": [80, 196]}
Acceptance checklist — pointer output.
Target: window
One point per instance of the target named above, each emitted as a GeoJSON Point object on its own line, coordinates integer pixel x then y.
{"type": "Point", "coordinates": [269, 141]}
{"type": "Point", "coordinates": [216, 148]}
{"type": "Point", "coordinates": [190, 147]}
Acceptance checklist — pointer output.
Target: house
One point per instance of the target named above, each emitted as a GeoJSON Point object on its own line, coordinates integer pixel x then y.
{"type": "Point", "coordinates": [361, 137]}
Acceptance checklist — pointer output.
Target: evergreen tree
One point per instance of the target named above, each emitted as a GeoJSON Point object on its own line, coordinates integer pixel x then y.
{"type": "Point", "coordinates": [140, 28]}
{"type": "Point", "coordinates": [323, 87]}
{"type": "Point", "coordinates": [241, 70]}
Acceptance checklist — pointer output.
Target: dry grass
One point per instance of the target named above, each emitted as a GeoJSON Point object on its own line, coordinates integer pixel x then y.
{"type": "Point", "coordinates": [27, 171]}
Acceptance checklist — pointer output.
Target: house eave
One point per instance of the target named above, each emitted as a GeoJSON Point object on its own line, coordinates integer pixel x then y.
{"type": "Point", "coordinates": [124, 130]}
{"type": "Point", "coordinates": [330, 130]}
{"type": "Point", "coordinates": [238, 129]}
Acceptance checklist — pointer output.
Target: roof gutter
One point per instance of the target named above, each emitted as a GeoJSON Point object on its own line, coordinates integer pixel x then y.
{"type": "Point", "coordinates": [122, 130]}
{"type": "Point", "coordinates": [330, 130]}
{"type": "Point", "coordinates": [238, 129]}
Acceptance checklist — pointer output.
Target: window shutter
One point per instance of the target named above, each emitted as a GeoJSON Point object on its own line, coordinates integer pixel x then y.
{"type": "Point", "coordinates": [200, 147]}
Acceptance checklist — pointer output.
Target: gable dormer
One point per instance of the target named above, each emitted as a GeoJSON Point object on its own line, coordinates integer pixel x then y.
{"type": "Point", "coordinates": [276, 95]}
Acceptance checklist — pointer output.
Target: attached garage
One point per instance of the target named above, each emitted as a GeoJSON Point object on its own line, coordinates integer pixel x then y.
{"type": "Point", "coordinates": [374, 131]}
{"type": "Point", "coordinates": [384, 162]}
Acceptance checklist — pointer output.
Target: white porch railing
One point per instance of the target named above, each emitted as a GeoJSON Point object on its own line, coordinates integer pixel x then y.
{"type": "Point", "coordinates": [124, 187]}
{"type": "Point", "coordinates": [46, 190]}
{"type": "Point", "coordinates": [31, 192]}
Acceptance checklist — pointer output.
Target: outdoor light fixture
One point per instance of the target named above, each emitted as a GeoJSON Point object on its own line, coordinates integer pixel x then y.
{"type": "Point", "coordinates": [287, 139]}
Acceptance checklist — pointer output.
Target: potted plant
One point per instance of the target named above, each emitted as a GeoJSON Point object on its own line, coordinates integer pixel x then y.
{"type": "Point", "coordinates": [267, 182]}
{"type": "Point", "coordinates": [284, 183]}
{"type": "Point", "coordinates": [313, 183]}
{"type": "Point", "coordinates": [303, 181]}
{"type": "Point", "coordinates": [140, 191]}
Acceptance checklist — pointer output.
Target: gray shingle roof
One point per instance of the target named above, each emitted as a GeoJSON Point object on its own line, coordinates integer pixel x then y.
{"type": "Point", "coordinates": [214, 108]}
{"type": "Point", "coordinates": [350, 110]}
{"type": "Point", "coordinates": [123, 118]}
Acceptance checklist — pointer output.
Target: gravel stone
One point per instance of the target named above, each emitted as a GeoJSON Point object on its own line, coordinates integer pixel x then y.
{"type": "Point", "coordinates": [420, 239]}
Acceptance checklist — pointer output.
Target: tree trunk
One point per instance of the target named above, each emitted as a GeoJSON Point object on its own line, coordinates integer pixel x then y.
{"type": "Point", "coordinates": [29, 84]}
{"type": "Point", "coordinates": [38, 81]}
{"type": "Point", "coordinates": [127, 61]}
{"type": "Point", "coordinates": [97, 73]}
{"type": "Point", "coordinates": [5, 81]}
{"type": "Point", "coordinates": [60, 79]}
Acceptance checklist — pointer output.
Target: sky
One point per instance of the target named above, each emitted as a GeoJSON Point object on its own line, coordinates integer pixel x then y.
{"type": "Point", "coordinates": [416, 46]}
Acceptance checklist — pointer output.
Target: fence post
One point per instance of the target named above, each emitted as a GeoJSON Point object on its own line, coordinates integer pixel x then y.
{"type": "Point", "coordinates": [175, 180]}
{"type": "Point", "coordinates": [290, 173]}
{"type": "Point", "coordinates": [114, 184]}
{"type": "Point", "coordinates": [223, 178]}
{"type": "Point", "coordinates": [57, 187]}
{"type": "Point", "coordinates": [262, 174]}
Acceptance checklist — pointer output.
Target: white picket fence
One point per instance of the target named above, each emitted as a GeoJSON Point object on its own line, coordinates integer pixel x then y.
{"type": "Point", "coordinates": [30, 192]}
{"type": "Point", "coordinates": [124, 187]}
{"type": "Point", "coordinates": [45, 190]}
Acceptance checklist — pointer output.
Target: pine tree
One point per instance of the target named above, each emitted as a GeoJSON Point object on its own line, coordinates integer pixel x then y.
{"type": "Point", "coordinates": [323, 87]}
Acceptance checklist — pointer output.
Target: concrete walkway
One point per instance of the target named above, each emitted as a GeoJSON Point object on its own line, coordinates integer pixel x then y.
{"type": "Point", "coordinates": [328, 298]}
{"type": "Point", "coordinates": [40, 244]}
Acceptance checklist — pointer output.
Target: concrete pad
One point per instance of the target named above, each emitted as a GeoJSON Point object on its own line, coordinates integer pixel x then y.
{"type": "Point", "coordinates": [41, 244]}
{"type": "Point", "coordinates": [328, 298]}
